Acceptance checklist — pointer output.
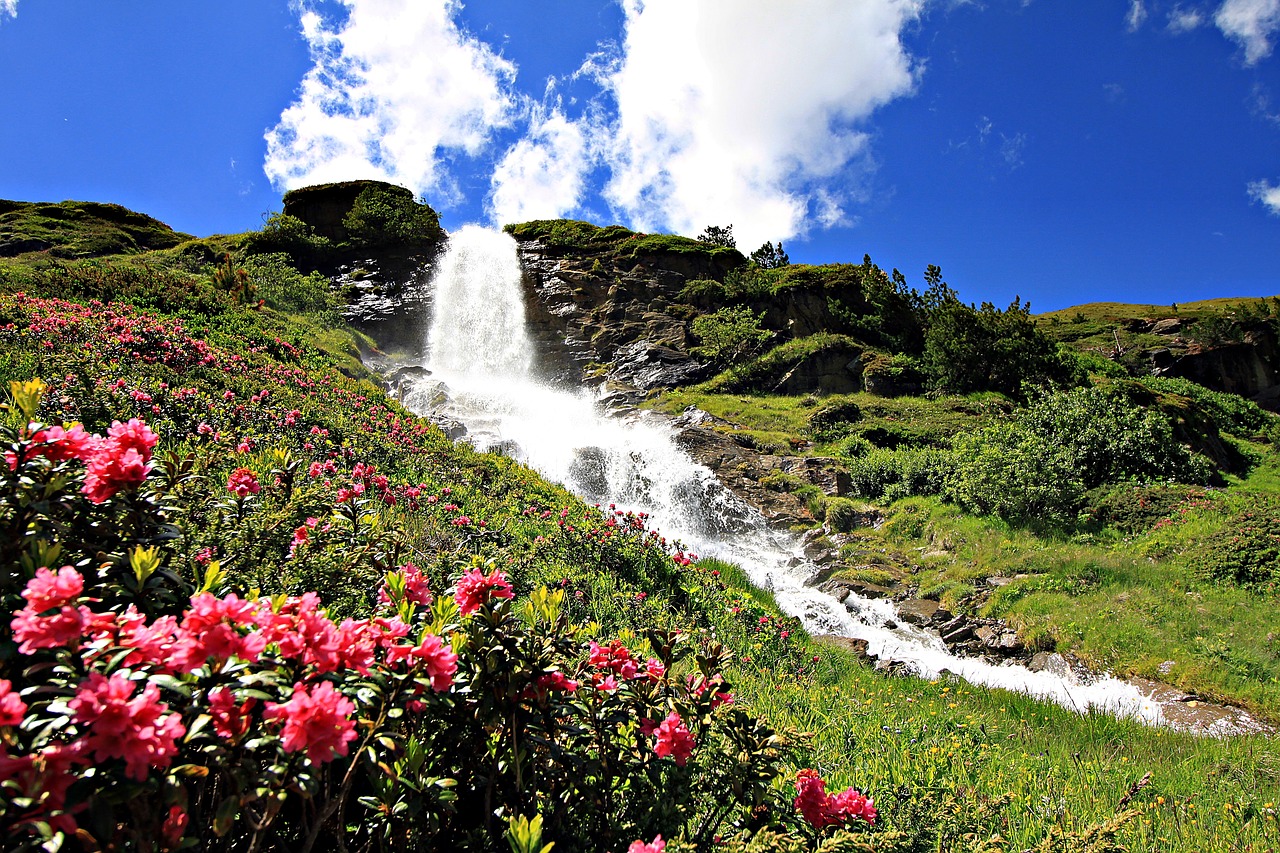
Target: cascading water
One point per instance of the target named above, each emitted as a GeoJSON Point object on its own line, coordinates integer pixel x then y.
{"type": "Point", "coordinates": [479, 361]}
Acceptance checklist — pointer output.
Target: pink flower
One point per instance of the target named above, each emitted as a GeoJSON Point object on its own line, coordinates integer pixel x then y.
{"type": "Point", "coordinates": [34, 627]}
{"type": "Point", "coordinates": [655, 846]}
{"type": "Point", "coordinates": [210, 632]}
{"type": "Point", "coordinates": [120, 461]}
{"type": "Point", "coordinates": [440, 661]}
{"type": "Point", "coordinates": [44, 779]}
{"type": "Point", "coordinates": [318, 721]}
{"type": "Point", "coordinates": [476, 588]}
{"type": "Point", "coordinates": [654, 670]}
{"type": "Point", "coordinates": [821, 809]}
{"type": "Point", "coordinates": [48, 590]}
{"type": "Point", "coordinates": [615, 657]}
{"type": "Point", "coordinates": [229, 719]}
{"type": "Point", "coordinates": [415, 586]}
{"type": "Point", "coordinates": [556, 681]}
{"type": "Point", "coordinates": [12, 708]}
{"type": "Point", "coordinates": [243, 482]}
{"type": "Point", "coordinates": [121, 725]}
{"type": "Point", "coordinates": [673, 739]}
{"type": "Point", "coordinates": [61, 444]}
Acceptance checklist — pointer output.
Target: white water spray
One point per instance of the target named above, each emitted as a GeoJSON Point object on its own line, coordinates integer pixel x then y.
{"type": "Point", "coordinates": [480, 356]}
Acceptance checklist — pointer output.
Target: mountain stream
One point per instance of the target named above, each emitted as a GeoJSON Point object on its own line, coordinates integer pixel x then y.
{"type": "Point", "coordinates": [480, 372]}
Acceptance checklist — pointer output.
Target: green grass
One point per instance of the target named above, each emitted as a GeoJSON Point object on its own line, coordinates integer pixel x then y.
{"type": "Point", "coordinates": [1123, 604]}
{"type": "Point", "coordinates": [79, 229]}
{"type": "Point", "coordinates": [782, 422]}
{"type": "Point", "coordinates": [617, 242]}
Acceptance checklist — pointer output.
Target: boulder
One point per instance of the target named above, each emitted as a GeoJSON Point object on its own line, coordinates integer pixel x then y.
{"type": "Point", "coordinates": [922, 611]}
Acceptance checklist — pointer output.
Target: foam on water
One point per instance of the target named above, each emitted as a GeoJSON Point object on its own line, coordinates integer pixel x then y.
{"type": "Point", "coordinates": [480, 356]}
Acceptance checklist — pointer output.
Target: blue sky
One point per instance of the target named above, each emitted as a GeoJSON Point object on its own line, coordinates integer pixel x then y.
{"type": "Point", "coordinates": [1063, 151]}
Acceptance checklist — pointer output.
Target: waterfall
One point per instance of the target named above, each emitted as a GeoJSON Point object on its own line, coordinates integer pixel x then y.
{"type": "Point", "coordinates": [479, 365]}
{"type": "Point", "coordinates": [478, 325]}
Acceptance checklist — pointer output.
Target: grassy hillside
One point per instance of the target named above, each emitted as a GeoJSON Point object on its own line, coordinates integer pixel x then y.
{"type": "Point", "coordinates": [282, 468]}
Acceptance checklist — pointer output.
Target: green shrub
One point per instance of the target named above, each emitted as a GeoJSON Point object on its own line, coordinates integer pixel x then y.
{"type": "Point", "coordinates": [728, 334]}
{"type": "Point", "coordinates": [1009, 471]}
{"type": "Point", "coordinates": [1108, 437]}
{"type": "Point", "coordinates": [1250, 555]}
{"type": "Point", "coordinates": [1231, 412]}
{"type": "Point", "coordinates": [1133, 508]}
{"type": "Point", "coordinates": [284, 288]}
{"type": "Point", "coordinates": [288, 234]}
{"type": "Point", "coordinates": [899, 473]}
{"type": "Point", "coordinates": [383, 214]}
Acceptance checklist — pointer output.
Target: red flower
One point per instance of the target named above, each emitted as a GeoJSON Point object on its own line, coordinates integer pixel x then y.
{"type": "Point", "coordinates": [318, 721]}
{"type": "Point", "coordinates": [476, 588]}
{"type": "Point", "coordinates": [655, 846]}
{"type": "Point", "coordinates": [121, 725]}
{"type": "Point", "coordinates": [120, 461]}
{"type": "Point", "coordinates": [175, 826]}
{"type": "Point", "coordinates": [614, 656]}
{"type": "Point", "coordinates": [821, 809]}
{"type": "Point", "coordinates": [49, 591]}
{"type": "Point", "coordinates": [229, 719]}
{"type": "Point", "coordinates": [674, 740]}
{"type": "Point", "coordinates": [243, 482]}
{"type": "Point", "coordinates": [12, 708]}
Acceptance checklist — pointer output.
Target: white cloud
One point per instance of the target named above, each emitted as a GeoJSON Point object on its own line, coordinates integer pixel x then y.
{"type": "Point", "coordinates": [1137, 15]}
{"type": "Point", "coordinates": [9, 7]}
{"type": "Point", "coordinates": [1184, 20]}
{"type": "Point", "coordinates": [748, 112]}
{"type": "Point", "coordinates": [394, 84]}
{"type": "Point", "coordinates": [1267, 194]}
{"type": "Point", "coordinates": [543, 175]}
{"type": "Point", "coordinates": [1253, 23]}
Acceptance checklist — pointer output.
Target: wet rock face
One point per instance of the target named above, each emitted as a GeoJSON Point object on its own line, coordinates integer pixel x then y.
{"type": "Point", "coordinates": [595, 318]}
{"type": "Point", "coordinates": [389, 299]}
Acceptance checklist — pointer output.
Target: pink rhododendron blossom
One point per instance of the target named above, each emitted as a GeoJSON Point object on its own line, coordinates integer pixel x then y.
{"type": "Point", "coordinates": [701, 686]}
{"type": "Point", "coordinates": [229, 719]}
{"type": "Point", "coordinates": [655, 846]}
{"type": "Point", "coordinates": [12, 708]}
{"type": "Point", "coordinates": [120, 461]}
{"type": "Point", "coordinates": [243, 482]}
{"type": "Point", "coordinates": [476, 588]}
{"type": "Point", "coordinates": [48, 589]}
{"type": "Point", "coordinates": [654, 670]}
{"type": "Point", "coordinates": [317, 721]}
{"type": "Point", "coordinates": [615, 657]}
{"type": "Point", "coordinates": [556, 681]}
{"type": "Point", "coordinates": [435, 654]}
{"type": "Point", "coordinates": [415, 586]}
{"type": "Point", "coordinates": [44, 778]}
{"type": "Point", "coordinates": [118, 724]}
{"type": "Point", "coordinates": [174, 827]}
{"type": "Point", "coordinates": [148, 643]}
{"type": "Point", "coordinates": [302, 631]}
{"type": "Point", "coordinates": [60, 444]}
{"type": "Point", "coordinates": [821, 809]}
{"type": "Point", "coordinates": [674, 739]}
{"type": "Point", "coordinates": [34, 627]}
{"type": "Point", "coordinates": [210, 632]}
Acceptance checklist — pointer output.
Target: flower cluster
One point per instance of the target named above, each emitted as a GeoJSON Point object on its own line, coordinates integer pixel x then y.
{"type": "Point", "coordinates": [821, 809]}
{"type": "Point", "coordinates": [477, 588]}
{"type": "Point", "coordinates": [119, 461]}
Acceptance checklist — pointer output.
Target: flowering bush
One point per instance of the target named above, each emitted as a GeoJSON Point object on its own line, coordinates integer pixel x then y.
{"type": "Point", "coordinates": [149, 702]}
